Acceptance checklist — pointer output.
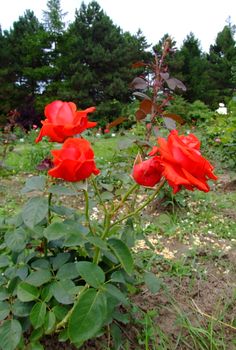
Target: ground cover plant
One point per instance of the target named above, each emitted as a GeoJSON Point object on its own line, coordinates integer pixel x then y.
{"type": "Point", "coordinates": [100, 246]}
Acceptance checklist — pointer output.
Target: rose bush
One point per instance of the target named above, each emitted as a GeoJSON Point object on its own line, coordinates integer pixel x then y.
{"type": "Point", "coordinates": [64, 271]}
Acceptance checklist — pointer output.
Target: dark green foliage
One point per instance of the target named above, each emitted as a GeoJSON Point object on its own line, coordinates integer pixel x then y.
{"type": "Point", "coordinates": [53, 18]}
{"type": "Point", "coordinates": [97, 58]}
{"type": "Point", "coordinates": [26, 68]}
{"type": "Point", "coordinates": [90, 62]}
{"type": "Point", "coordinates": [222, 58]}
{"type": "Point", "coordinates": [189, 65]}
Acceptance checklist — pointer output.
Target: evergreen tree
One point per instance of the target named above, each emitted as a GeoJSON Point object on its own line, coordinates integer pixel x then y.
{"type": "Point", "coordinates": [7, 79]}
{"type": "Point", "coordinates": [54, 17]}
{"type": "Point", "coordinates": [96, 58]}
{"type": "Point", "coordinates": [28, 67]}
{"type": "Point", "coordinates": [222, 65]}
{"type": "Point", "coordinates": [190, 66]}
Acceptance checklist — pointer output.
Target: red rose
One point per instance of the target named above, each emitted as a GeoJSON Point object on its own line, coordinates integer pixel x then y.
{"type": "Point", "coordinates": [63, 120]}
{"type": "Point", "coordinates": [183, 164]}
{"type": "Point", "coordinates": [147, 172]}
{"type": "Point", "coordinates": [74, 161]}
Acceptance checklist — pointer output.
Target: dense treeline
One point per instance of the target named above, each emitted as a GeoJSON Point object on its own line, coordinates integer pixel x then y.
{"type": "Point", "coordinates": [89, 62]}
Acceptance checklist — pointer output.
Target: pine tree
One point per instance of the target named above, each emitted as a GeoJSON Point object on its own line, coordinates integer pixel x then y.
{"type": "Point", "coordinates": [222, 63]}
{"type": "Point", "coordinates": [27, 65]}
{"type": "Point", "coordinates": [97, 58]}
{"type": "Point", "coordinates": [53, 18]}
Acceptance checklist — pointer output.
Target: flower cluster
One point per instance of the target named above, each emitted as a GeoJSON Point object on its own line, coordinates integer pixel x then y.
{"type": "Point", "coordinates": [178, 159]}
{"type": "Point", "coordinates": [75, 160]}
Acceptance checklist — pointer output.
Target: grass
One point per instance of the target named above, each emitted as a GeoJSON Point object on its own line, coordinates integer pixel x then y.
{"type": "Point", "coordinates": [191, 242]}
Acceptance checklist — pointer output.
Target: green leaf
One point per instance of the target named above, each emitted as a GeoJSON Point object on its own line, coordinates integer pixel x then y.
{"type": "Point", "coordinates": [40, 264]}
{"type": "Point", "coordinates": [97, 242]}
{"type": "Point", "coordinates": [34, 211]}
{"type": "Point", "coordinates": [108, 187]}
{"type": "Point", "coordinates": [4, 260]}
{"type": "Point", "coordinates": [106, 196]}
{"type": "Point", "coordinates": [16, 240]}
{"type": "Point", "coordinates": [39, 277]}
{"type": "Point", "coordinates": [10, 272]}
{"type": "Point", "coordinates": [116, 336]}
{"type": "Point", "coordinates": [34, 183]}
{"type": "Point", "coordinates": [59, 260]}
{"type": "Point", "coordinates": [2, 280]}
{"type": "Point", "coordinates": [35, 346]}
{"type": "Point", "coordinates": [60, 312]}
{"type": "Point", "coordinates": [152, 282]}
{"type": "Point", "coordinates": [22, 272]}
{"type": "Point", "coordinates": [63, 211]}
{"type": "Point", "coordinates": [121, 317]}
{"type": "Point", "coordinates": [68, 271]}
{"type": "Point", "coordinates": [87, 317]}
{"type": "Point", "coordinates": [27, 292]}
{"type": "Point", "coordinates": [61, 190]}
{"type": "Point", "coordinates": [3, 293]}
{"type": "Point", "coordinates": [116, 293]}
{"type": "Point", "coordinates": [10, 334]}
{"type": "Point", "coordinates": [74, 239]}
{"type": "Point", "coordinates": [37, 314]}
{"type": "Point", "coordinates": [12, 285]}
{"type": "Point", "coordinates": [4, 310]}
{"type": "Point", "coordinates": [63, 291]}
{"type": "Point", "coordinates": [21, 309]}
{"type": "Point", "coordinates": [55, 231]}
{"type": "Point", "coordinates": [63, 335]}
{"type": "Point", "coordinates": [36, 335]}
{"type": "Point", "coordinates": [46, 293]}
{"type": "Point", "coordinates": [91, 273]}
{"type": "Point", "coordinates": [118, 276]}
{"type": "Point", "coordinates": [122, 253]}
{"type": "Point", "coordinates": [129, 233]}
{"type": "Point", "coordinates": [49, 323]}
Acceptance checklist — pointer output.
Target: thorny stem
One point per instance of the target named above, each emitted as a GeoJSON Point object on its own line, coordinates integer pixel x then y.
{"type": "Point", "coordinates": [87, 211]}
{"type": "Point", "coordinates": [108, 216]}
{"type": "Point", "coordinates": [136, 211]}
{"type": "Point", "coordinates": [107, 225]}
{"type": "Point", "coordinates": [49, 208]}
{"type": "Point", "coordinates": [99, 196]}
{"type": "Point", "coordinates": [107, 222]}
{"type": "Point", "coordinates": [123, 199]}
{"type": "Point", "coordinates": [45, 241]}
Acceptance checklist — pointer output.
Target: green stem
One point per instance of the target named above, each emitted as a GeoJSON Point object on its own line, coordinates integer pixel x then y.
{"type": "Point", "coordinates": [87, 210]}
{"type": "Point", "coordinates": [123, 199]}
{"type": "Point", "coordinates": [45, 241]}
{"type": "Point", "coordinates": [49, 208]}
{"type": "Point", "coordinates": [107, 225]}
{"type": "Point", "coordinates": [99, 196]}
{"type": "Point", "coordinates": [149, 200]}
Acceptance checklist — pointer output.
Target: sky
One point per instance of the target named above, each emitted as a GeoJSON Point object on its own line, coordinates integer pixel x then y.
{"type": "Point", "coordinates": [204, 18]}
